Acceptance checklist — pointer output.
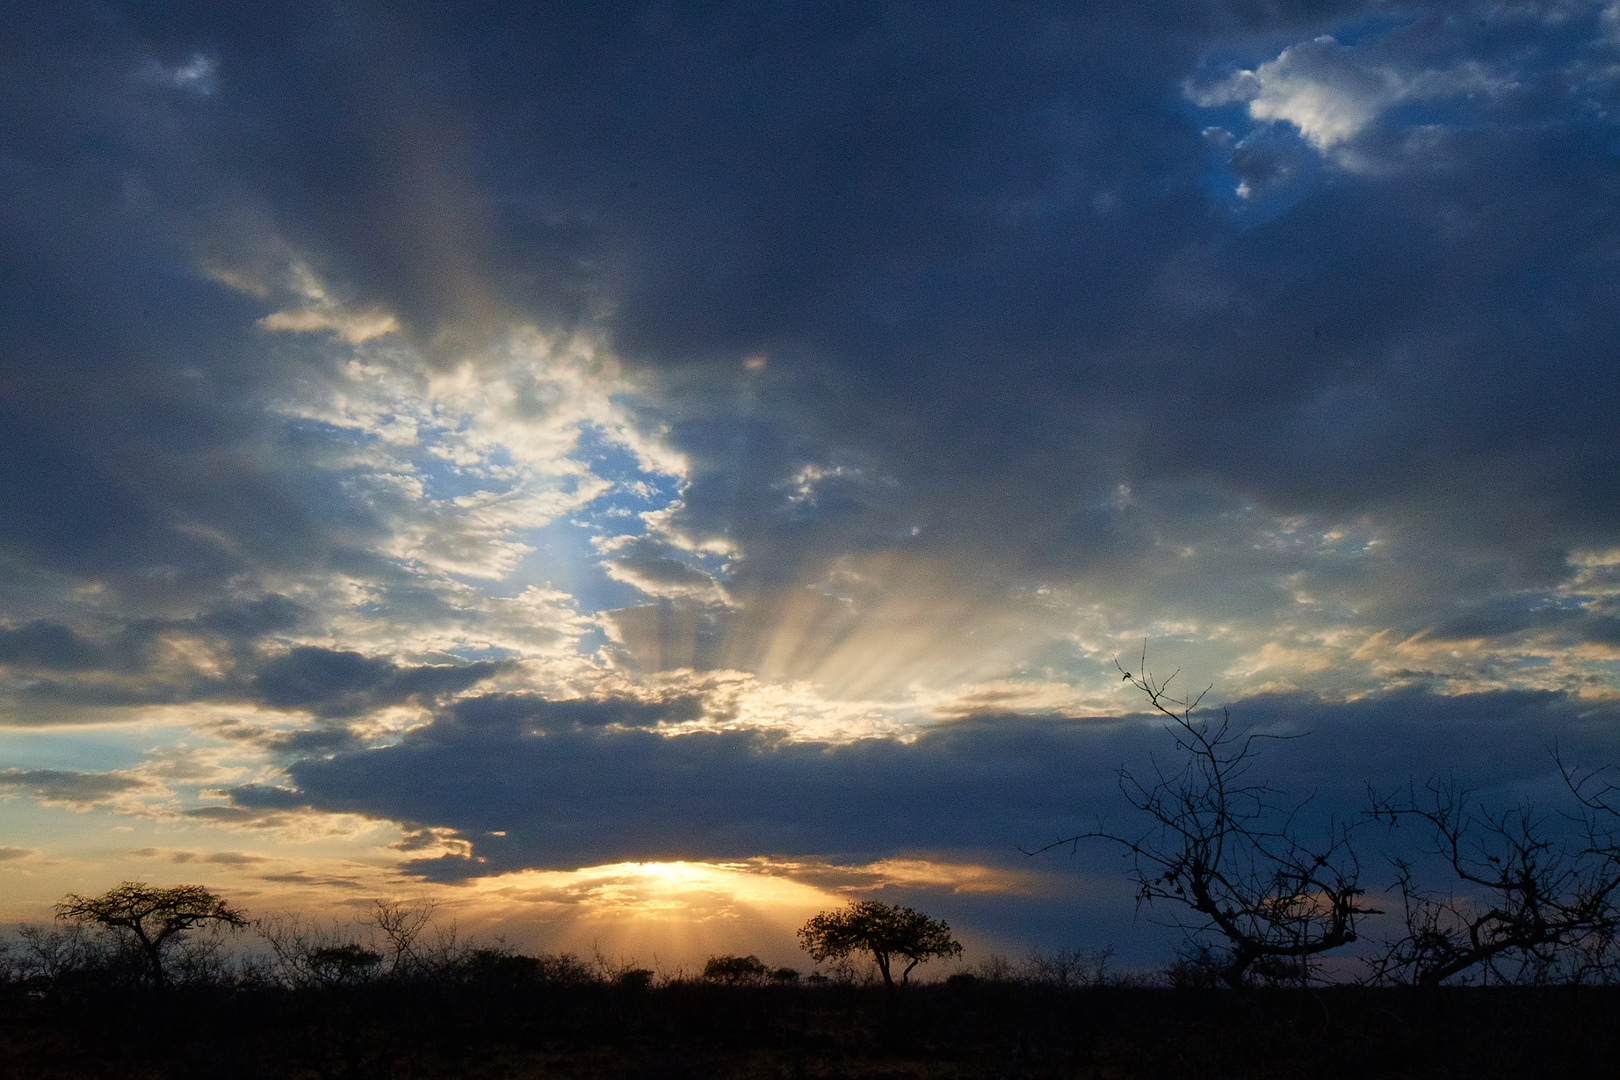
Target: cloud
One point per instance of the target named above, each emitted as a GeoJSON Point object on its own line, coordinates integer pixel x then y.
{"type": "Point", "coordinates": [668, 636]}
{"type": "Point", "coordinates": [332, 683]}
{"type": "Point", "coordinates": [76, 790]}
{"type": "Point", "coordinates": [654, 568]}
{"type": "Point", "coordinates": [219, 655]}
{"type": "Point", "coordinates": [532, 714]}
{"type": "Point", "coordinates": [222, 858]}
{"type": "Point", "coordinates": [1331, 93]}
{"type": "Point", "coordinates": [966, 359]}
{"type": "Point", "coordinates": [134, 645]}
{"type": "Point", "coordinates": [47, 645]}
{"type": "Point", "coordinates": [353, 327]}
{"type": "Point", "coordinates": [755, 402]}
{"type": "Point", "coordinates": [196, 75]}
{"type": "Point", "coordinates": [562, 785]}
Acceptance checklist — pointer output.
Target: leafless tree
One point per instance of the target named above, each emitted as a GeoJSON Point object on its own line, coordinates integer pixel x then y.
{"type": "Point", "coordinates": [309, 954]}
{"type": "Point", "coordinates": [1219, 843]}
{"type": "Point", "coordinates": [1066, 968]}
{"type": "Point", "coordinates": [50, 953]}
{"type": "Point", "coordinates": [1534, 897]}
{"type": "Point", "coordinates": [403, 924]}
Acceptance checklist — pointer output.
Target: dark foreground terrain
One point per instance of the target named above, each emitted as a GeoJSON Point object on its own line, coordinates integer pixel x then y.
{"type": "Point", "coordinates": [517, 1027]}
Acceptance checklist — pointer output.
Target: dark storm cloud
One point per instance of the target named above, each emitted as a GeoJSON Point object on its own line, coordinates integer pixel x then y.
{"type": "Point", "coordinates": [128, 403]}
{"type": "Point", "coordinates": [126, 646]}
{"type": "Point", "coordinates": [991, 280]}
{"type": "Point", "coordinates": [306, 741]}
{"type": "Point", "coordinates": [47, 645]}
{"type": "Point", "coordinates": [120, 663]}
{"type": "Point", "coordinates": [522, 714]}
{"type": "Point", "coordinates": [569, 790]}
{"type": "Point", "coordinates": [987, 263]}
{"type": "Point", "coordinates": [574, 798]}
{"type": "Point", "coordinates": [1500, 619]}
{"type": "Point", "coordinates": [649, 566]}
{"type": "Point", "coordinates": [253, 619]}
{"type": "Point", "coordinates": [979, 248]}
{"type": "Point", "coordinates": [331, 683]}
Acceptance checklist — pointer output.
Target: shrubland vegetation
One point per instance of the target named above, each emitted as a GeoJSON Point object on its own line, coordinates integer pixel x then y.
{"type": "Point", "coordinates": [289, 998]}
{"type": "Point", "coordinates": [1497, 957]}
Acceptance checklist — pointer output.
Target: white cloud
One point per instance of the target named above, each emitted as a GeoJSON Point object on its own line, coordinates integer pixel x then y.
{"type": "Point", "coordinates": [196, 75]}
{"type": "Point", "coordinates": [352, 326]}
{"type": "Point", "coordinates": [506, 426]}
{"type": "Point", "coordinates": [1332, 93]}
{"type": "Point", "coordinates": [318, 310]}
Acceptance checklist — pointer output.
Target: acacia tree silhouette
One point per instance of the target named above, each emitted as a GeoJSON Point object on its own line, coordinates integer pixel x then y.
{"type": "Point", "coordinates": [1219, 843]}
{"type": "Point", "coordinates": [884, 930]}
{"type": "Point", "coordinates": [154, 916]}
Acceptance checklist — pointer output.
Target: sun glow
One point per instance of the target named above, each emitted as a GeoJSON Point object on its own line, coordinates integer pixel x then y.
{"type": "Point", "coordinates": [672, 912]}
{"type": "Point", "coordinates": [684, 890]}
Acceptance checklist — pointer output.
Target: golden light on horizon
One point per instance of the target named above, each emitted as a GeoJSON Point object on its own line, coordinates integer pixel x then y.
{"type": "Point", "coordinates": [649, 912]}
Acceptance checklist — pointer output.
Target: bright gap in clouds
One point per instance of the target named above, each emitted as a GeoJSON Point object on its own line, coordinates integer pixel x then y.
{"type": "Point", "coordinates": [671, 915]}
{"type": "Point", "coordinates": [806, 451]}
{"type": "Point", "coordinates": [684, 912]}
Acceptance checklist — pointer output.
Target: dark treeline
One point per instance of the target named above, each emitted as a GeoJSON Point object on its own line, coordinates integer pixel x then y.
{"type": "Point", "coordinates": [1498, 955]}
{"type": "Point", "coordinates": [80, 1006]}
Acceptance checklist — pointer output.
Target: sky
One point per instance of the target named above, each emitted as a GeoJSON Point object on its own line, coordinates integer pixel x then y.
{"type": "Point", "coordinates": [641, 474]}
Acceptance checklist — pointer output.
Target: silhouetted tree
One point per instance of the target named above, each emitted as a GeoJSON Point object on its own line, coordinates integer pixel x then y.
{"type": "Point", "coordinates": [403, 924]}
{"type": "Point", "coordinates": [310, 954]}
{"type": "Point", "coordinates": [735, 969]}
{"type": "Point", "coordinates": [154, 916]}
{"type": "Point", "coordinates": [634, 978]}
{"type": "Point", "coordinates": [1218, 843]}
{"type": "Point", "coordinates": [48, 954]}
{"type": "Point", "coordinates": [886, 931]}
{"type": "Point", "coordinates": [1533, 906]}
{"type": "Point", "coordinates": [338, 965]}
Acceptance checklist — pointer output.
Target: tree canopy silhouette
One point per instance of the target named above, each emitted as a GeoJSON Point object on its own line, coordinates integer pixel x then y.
{"type": "Point", "coordinates": [886, 931]}
{"type": "Point", "coordinates": [154, 916]}
{"type": "Point", "coordinates": [735, 969]}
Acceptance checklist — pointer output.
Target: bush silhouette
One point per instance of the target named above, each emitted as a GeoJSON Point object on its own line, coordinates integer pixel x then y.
{"type": "Point", "coordinates": [343, 964]}
{"type": "Point", "coordinates": [736, 969]}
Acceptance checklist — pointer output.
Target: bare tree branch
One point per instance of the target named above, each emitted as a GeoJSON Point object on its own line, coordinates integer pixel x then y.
{"type": "Point", "coordinates": [1218, 843]}
{"type": "Point", "coordinates": [1532, 907]}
